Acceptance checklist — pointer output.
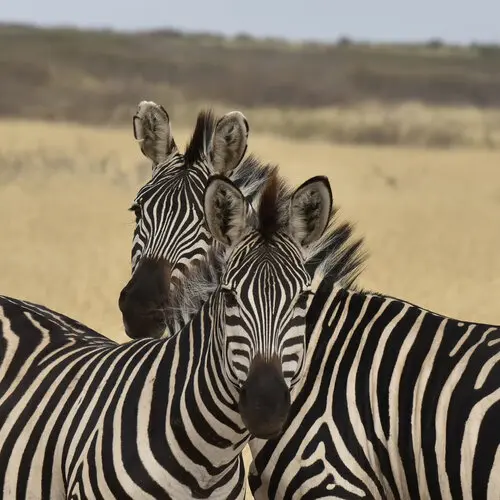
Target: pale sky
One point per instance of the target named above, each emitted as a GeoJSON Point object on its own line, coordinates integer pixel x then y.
{"type": "Point", "coordinates": [459, 21]}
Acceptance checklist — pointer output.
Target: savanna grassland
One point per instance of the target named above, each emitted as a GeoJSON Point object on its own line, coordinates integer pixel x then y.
{"type": "Point", "coordinates": [408, 135]}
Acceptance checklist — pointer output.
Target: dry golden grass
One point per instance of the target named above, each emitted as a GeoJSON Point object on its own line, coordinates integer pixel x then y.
{"type": "Point", "coordinates": [431, 219]}
{"type": "Point", "coordinates": [408, 124]}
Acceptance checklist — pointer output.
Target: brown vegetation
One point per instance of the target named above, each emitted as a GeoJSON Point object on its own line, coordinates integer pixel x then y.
{"type": "Point", "coordinates": [344, 92]}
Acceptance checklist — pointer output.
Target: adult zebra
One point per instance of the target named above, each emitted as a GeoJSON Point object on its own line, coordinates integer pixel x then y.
{"type": "Point", "coordinates": [84, 417]}
{"type": "Point", "coordinates": [170, 235]}
{"type": "Point", "coordinates": [397, 402]}
{"type": "Point", "coordinates": [387, 444]}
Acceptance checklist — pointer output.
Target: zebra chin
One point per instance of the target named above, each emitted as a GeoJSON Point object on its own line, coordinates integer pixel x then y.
{"type": "Point", "coordinates": [144, 327]}
{"type": "Point", "coordinates": [264, 401]}
{"type": "Point", "coordinates": [144, 299]}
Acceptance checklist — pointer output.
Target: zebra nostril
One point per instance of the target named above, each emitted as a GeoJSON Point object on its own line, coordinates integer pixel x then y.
{"type": "Point", "coordinates": [284, 398]}
{"type": "Point", "coordinates": [122, 298]}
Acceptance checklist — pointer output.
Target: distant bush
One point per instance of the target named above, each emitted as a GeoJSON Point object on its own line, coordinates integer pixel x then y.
{"type": "Point", "coordinates": [244, 37]}
{"type": "Point", "coordinates": [435, 43]}
{"type": "Point", "coordinates": [344, 41]}
{"type": "Point", "coordinates": [488, 50]}
{"type": "Point", "coordinates": [100, 76]}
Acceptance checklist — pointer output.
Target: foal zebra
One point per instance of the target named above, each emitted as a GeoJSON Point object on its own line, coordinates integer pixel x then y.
{"type": "Point", "coordinates": [84, 417]}
{"type": "Point", "coordinates": [170, 234]}
{"type": "Point", "coordinates": [397, 402]}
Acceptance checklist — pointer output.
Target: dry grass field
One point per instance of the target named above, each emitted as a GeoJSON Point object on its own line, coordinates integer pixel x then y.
{"type": "Point", "coordinates": [431, 219]}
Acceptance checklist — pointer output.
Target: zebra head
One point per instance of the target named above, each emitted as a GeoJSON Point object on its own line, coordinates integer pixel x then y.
{"type": "Point", "coordinates": [265, 289]}
{"type": "Point", "coordinates": [170, 234]}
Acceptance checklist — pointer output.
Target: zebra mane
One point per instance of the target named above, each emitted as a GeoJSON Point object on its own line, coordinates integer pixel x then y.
{"type": "Point", "coordinates": [272, 206]}
{"type": "Point", "coordinates": [251, 175]}
{"type": "Point", "coordinates": [197, 147]}
{"type": "Point", "coordinates": [200, 282]}
{"type": "Point", "coordinates": [336, 256]}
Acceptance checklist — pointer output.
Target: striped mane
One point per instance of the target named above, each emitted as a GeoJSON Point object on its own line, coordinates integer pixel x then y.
{"type": "Point", "coordinates": [338, 256]}
{"type": "Point", "coordinates": [197, 147]}
{"type": "Point", "coordinates": [188, 296]}
{"type": "Point", "coordinates": [251, 175]}
{"type": "Point", "coordinates": [273, 207]}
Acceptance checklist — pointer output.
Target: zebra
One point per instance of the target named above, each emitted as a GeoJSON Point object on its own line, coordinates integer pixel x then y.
{"type": "Point", "coordinates": [369, 462]}
{"type": "Point", "coordinates": [84, 417]}
{"type": "Point", "coordinates": [396, 402]}
{"type": "Point", "coordinates": [374, 467]}
{"type": "Point", "coordinates": [170, 235]}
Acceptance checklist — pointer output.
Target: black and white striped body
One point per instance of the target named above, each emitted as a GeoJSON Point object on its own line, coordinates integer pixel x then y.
{"type": "Point", "coordinates": [84, 417]}
{"type": "Point", "coordinates": [397, 402]}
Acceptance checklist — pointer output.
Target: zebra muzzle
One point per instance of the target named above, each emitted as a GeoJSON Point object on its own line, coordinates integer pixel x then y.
{"type": "Point", "coordinates": [144, 300]}
{"type": "Point", "coordinates": [264, 401]}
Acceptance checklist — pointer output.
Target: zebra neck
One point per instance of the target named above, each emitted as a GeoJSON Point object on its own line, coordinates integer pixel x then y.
{"type": "Point", "coordinates": [223, 413]}
{"type": "Point", "coordinates": [202, 412]}
{"type": "Point", "coordinates": [364, 342]}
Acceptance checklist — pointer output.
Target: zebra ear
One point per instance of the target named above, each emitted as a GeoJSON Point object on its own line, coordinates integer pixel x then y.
{"type": "Point", "coordinates": [310, 209]}
{"type": "Point", "coordinates": [151, 125]}
{"type": "Point", "coordinates": [229, 142]}
{"type": "Point", "coordinates": [225, 210]}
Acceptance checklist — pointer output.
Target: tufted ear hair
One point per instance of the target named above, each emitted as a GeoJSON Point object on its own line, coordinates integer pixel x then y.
{"type": "Point", "coordinates": [225, 210]}
{"type": "Point", "coordinates": [310, 209]}
{"type": "Point", "coordinates": [151, 125]}
{"type": "Point", "coordinates": [229, 142]}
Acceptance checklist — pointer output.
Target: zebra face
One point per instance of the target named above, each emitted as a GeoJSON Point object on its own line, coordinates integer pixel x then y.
{"type": "Point", "coordinates": [265, 290]}
{"type": "Point", "coordinates": [170, 234]}
{"type": "Point", "coordinates": [169, 222]}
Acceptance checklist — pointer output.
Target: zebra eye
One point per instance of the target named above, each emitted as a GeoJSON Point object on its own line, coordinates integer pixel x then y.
{"type": "Point", "coordinates": [230, 296]}
{"type": "Point", "coordinates": [303, 298]}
